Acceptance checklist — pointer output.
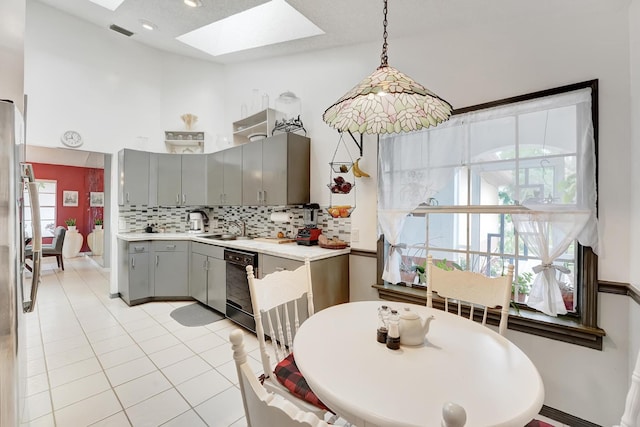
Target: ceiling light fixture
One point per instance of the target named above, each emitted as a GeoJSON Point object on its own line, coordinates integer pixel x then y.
{"type": "Point", "coordinates": [193, 3]}
{"type": "Point", "coordinates": [387, 101]}
{"type": "Point", "coordinates": [148, 25]}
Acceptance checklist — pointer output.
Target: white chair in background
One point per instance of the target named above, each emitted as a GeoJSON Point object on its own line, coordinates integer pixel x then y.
{"type": "Point", "coordinates": [632, 404]}
{"type": "Point", "coordinates": [278, 301]}
{"type": "Point", "coordinates": [471, 289]}
{"type": "Point", "coordinates": [262, 408]}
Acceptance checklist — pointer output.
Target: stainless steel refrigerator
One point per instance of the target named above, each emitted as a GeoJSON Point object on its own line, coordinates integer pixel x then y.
{"type": "Point", "coordinates": [17, 292]}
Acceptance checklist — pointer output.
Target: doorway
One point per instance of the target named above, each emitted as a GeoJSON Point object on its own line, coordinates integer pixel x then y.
{"type": "Point", "coordinates": [84, 179]}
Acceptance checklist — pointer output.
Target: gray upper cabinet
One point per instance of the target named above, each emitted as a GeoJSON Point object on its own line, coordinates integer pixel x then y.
{"type": "Point", "coordinates": [178, 180]}
{"type": "Point", "coordinates": [275, 170]}
{"type": "Point", "coordinates": [133, 173]}
{"type": "Point", "coordinates": [224, 177]}
{"type": "Point", "coordinates": [194, 182]}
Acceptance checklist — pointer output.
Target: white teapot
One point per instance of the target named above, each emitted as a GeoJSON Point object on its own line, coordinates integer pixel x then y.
{"type": "Point", "coordinates": [413, 328]}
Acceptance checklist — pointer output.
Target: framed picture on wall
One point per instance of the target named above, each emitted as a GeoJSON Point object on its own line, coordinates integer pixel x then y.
{"type": "Point", "coordinates": [69, 198]}
{"type": "Point", "coordinates": [96, 199]}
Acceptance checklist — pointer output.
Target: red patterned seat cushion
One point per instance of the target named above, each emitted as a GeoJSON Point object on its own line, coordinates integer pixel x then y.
{"type": "Point", "coordinates": [538, 423]}
{"type": "Point", "coordinates": [289, 375]}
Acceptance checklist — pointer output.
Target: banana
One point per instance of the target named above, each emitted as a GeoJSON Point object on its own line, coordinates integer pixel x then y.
{"type": "Point", "coordinates": [357, 172]}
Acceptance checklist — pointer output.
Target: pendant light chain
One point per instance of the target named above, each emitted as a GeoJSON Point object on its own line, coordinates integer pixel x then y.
{"type": "Point", "coordinates": [383, 57]}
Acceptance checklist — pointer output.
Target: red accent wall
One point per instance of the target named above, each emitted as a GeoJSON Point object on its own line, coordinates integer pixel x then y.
{"type": "Point", "coordinates": [73, 178]}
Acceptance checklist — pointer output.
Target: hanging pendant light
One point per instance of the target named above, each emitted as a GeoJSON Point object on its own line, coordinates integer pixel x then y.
{"type": "Point", "coordinates": [387, 101]}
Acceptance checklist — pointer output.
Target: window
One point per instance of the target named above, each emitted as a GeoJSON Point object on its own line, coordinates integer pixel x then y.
{"type": "Point", "coordinates": [451, 192]}
{"type": "Point", "coordinates": [47, 198]}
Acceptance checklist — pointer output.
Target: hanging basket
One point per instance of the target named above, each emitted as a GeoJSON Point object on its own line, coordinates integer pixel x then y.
{"type": "Point", "coordinates": [341, 167]}
{"type": "Point", "coordinates": [341, 184]}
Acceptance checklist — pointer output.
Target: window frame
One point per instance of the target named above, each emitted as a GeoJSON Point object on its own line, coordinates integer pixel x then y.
{"type": "Point", "coordinates": [580, 328]}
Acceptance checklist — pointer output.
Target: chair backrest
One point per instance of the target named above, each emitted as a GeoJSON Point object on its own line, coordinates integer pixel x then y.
{"type": "Point", "coordinates": [58, 238]}
{"type": "Point", "coordinates": [262, 408]}
{"type": "Point", "coordinates": [275, 300]}
{"type": "Point", "coordinates": [632, 404]}
{"type": "Point", "coordinates": [471, 289]}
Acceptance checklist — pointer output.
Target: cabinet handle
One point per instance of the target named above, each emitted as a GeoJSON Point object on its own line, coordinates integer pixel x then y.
{"type": "Point", "coordinates": [184, 199]}
{"type": "Point", "coordinates": [170, 246]}
{"type": "Point", "coordinates": [205, 265]}
{"type": "Point", "coordinates": [133, 263]}
{"type": "Point", "coordinates": [264, 196]}
{"type": "Point", "coordinates": [177, 198]}
{"type": "Point", "coordinates": [259, 195]}
{"type": "Point", "coordinates": [221, 198]}
{"type": "Point", "coordinates": [157, 259]}
{"type": "Point", "coordinates": [138, 248]}
{"type": "Point", "coordinates": [127, 196]}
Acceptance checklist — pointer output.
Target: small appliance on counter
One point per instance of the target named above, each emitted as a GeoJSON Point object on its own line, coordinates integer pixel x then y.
{"type": "Point", "coordinates": [198, 221]}
{"type": "Point", "coordinates": [309, 234]}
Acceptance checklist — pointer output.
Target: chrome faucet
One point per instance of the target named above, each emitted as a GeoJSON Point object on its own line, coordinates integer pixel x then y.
{"type": "Point", "coordinates": [240, 225]}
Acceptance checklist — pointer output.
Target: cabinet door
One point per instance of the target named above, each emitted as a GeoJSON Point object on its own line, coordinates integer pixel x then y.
{"type": "Point", "coordinates": [216, 285]}
{"type": "Point", "coordinates": [269, 264]}
{"type": "Point", "coordinates": [133, 170]}
{"type": "Point", "coordinates": [171, 274]}
{"type": "Point", "coordinates": [274, 170]}
{"type": "Point", "coordinates": [198, 277]}
{"type": "Point", "coordinates": [194, 183]}
{"type": "Point", "coordinates": [169, 179]}
{"type": "Point", "coordinates": [252, 173]}
{"type": "Point", "coordinates": [139, 276]}
{"type": "Point", "coordinates": [215, 178]}
{"type": "Point", "coordinates": [233, 176]}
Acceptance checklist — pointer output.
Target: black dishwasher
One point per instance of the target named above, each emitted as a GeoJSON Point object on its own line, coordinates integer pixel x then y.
{"type": "Point", "coordinates": [239, 308]}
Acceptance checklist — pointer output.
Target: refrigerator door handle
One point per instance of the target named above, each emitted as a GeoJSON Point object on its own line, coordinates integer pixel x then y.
{"type": "Point", "coordinates": [32, 187]}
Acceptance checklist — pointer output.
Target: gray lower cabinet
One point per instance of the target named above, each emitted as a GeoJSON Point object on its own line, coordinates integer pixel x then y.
{"type": "Point", "coordinates": [170, 268]}
{"type": "Point", "coordinates": [133, 270]}
{"type": "Point", "coordinates": [329, 277]}
{"type": "Point", "coordinates": [207, 275]}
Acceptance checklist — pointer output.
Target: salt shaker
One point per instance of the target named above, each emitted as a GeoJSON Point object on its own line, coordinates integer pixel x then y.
{"type": "Point", "coordinates": [383, 323]}
{"type": "Point", "coordinates": [393, 336]}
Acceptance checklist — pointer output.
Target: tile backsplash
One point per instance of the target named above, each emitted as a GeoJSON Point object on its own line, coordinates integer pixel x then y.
{"type": "Point", "coordinates": [257, 220]}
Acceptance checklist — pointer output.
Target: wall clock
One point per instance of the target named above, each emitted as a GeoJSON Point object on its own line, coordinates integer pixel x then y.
{"type": "Point", "coordinates": [71, 138]}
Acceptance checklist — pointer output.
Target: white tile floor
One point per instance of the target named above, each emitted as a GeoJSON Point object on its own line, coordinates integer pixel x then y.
{"type": "Point", "coordinates": [94, 361]}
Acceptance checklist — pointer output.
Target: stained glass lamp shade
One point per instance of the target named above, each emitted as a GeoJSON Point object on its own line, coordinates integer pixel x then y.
{"type": "Point", "coordinates": [387, 101]}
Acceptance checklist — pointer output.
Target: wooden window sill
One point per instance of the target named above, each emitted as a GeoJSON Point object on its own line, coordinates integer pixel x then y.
{"type": "Point", "coordinates": [564, 328]}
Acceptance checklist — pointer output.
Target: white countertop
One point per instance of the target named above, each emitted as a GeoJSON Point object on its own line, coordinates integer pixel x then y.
{"type": "Point", "coordinates": [285, 250]}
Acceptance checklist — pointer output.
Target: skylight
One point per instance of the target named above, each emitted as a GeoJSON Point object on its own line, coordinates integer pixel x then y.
{"type": "Point", "coordinates": [109, 4]}
{"type": "Point", "coordinates": [269, 23]}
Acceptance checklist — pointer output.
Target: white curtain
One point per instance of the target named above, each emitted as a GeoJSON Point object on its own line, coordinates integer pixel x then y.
{"type": "Point", "coordinates": [548, 230]}
{"type": "Point", "coordinates": [413, 168]}
{"type": "Point", "coordinates": [416, 166]}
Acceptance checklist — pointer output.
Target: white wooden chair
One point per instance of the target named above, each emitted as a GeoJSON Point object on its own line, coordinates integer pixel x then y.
{"type": "Point", "coordinates": [262, 408]}
{"type": "Point", "coordinates": [278, 301]}
{"type": "Point", "coordinates": [632, 404]}
{"type": "Point", "coordinates": [266, 409]}
{"type": "Point", "coordinates": [471, 289]}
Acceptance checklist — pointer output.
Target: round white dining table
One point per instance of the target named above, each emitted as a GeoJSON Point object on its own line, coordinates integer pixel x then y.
{"type": "Point", "coordinates": [461, 361]}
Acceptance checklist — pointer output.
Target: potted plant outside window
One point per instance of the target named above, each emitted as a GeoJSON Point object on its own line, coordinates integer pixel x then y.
{"type": "Point", "coordinates": [71, 223]}
{"type": "Point", "coordinates": [98, 223]}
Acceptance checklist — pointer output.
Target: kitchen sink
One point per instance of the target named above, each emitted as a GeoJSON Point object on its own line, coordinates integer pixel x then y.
{"type": "Point", "coordinates": [221, 237]}
{"type": "Point", "coordinates": [244, 238]}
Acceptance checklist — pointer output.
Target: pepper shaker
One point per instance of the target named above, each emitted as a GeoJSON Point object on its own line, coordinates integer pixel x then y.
{"type": "Point", "coordinates": [383, 323]}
